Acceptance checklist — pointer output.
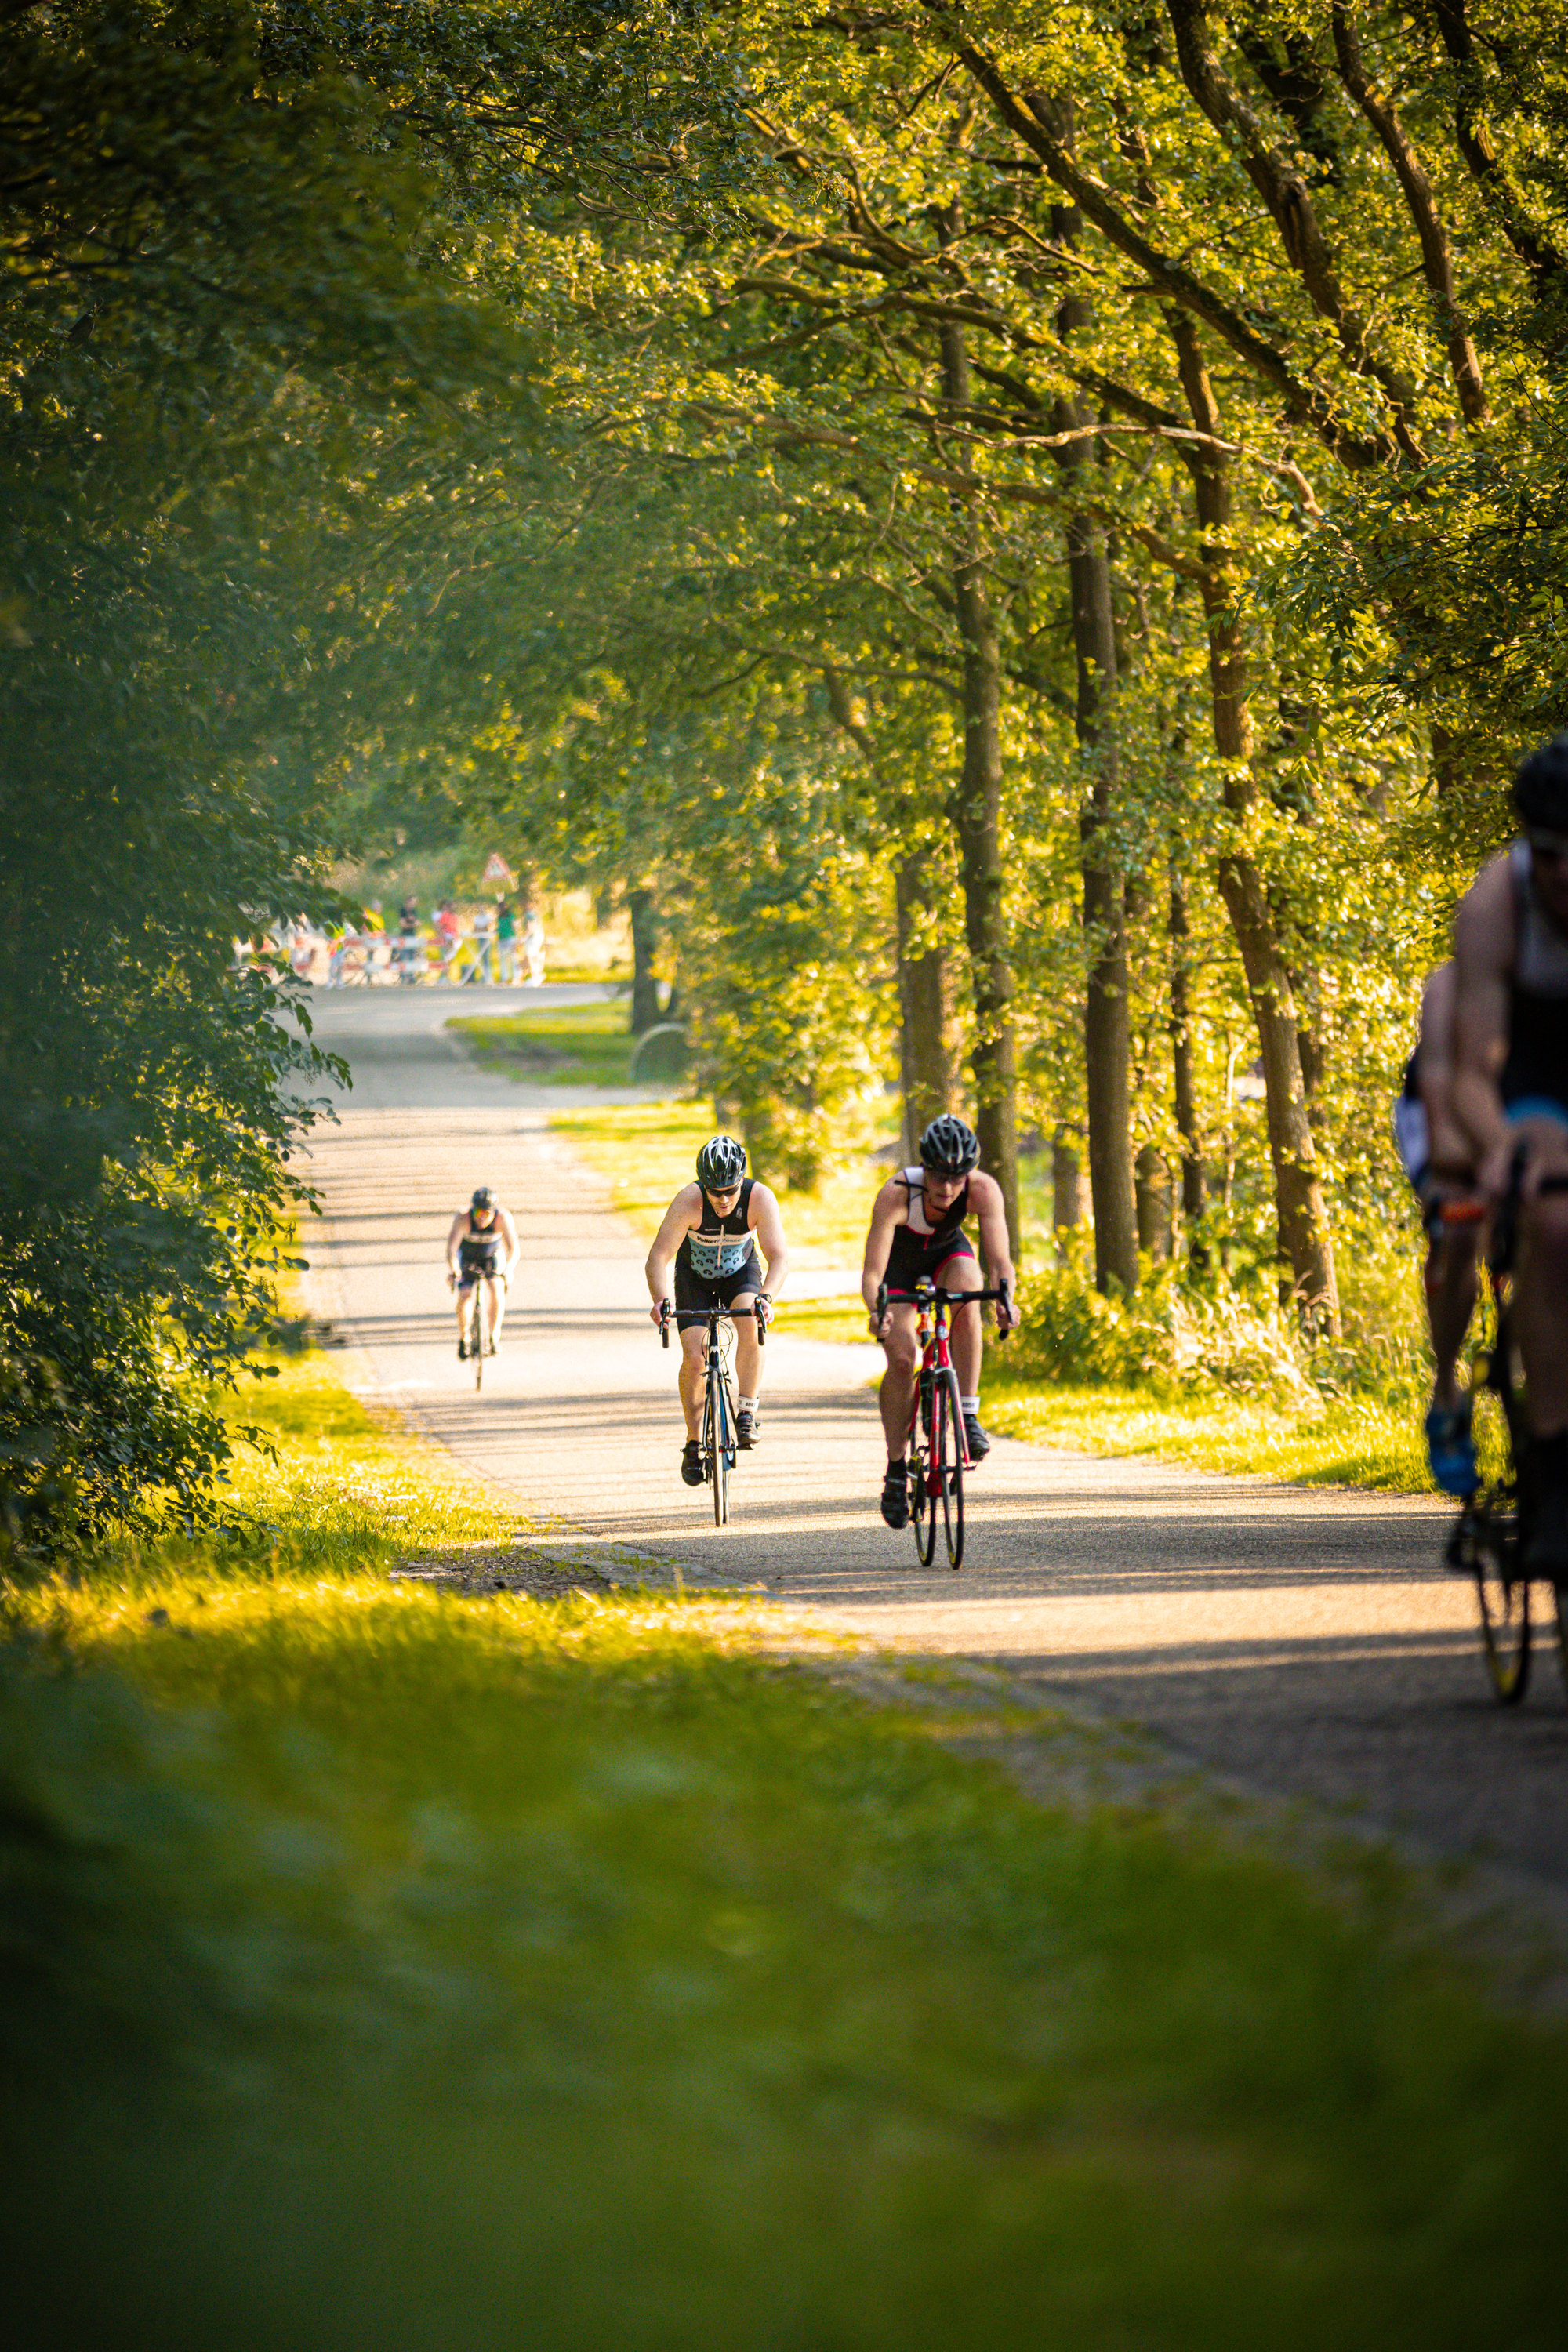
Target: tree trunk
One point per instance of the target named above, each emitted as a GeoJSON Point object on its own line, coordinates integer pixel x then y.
{"type": "Point", "coordinates": [1152, 1193]}
{"type": "Point", "coordinates": [978, 820]}
{"type": "Point", "coordinates": [925, 1054]}
{"type": "Point", "coordinates": [1303, 1222]}
{"type": "Point", "coordinates": [645, 935]}
{"type": "Point", "coordinates": [1106, 1038]}
{"type": "Point", "coordinates": [1067, 1189]}
{"type": "Point", "coordinates": [1182, 1070]}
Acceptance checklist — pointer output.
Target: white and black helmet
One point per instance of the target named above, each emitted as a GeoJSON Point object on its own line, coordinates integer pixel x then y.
{"type": "Point", "coordinates": [721, 1163]}
{"type": "Point", "coordinates": [949, 1147]}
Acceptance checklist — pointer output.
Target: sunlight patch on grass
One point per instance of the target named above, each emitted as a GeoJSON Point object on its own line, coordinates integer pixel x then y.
{"type": "Point", "coordinates": [1351, 1442]}
{"type": "Point", "coordinates": [647, 1153]}
{"type": "Point", "coordinates": [575, 1045]}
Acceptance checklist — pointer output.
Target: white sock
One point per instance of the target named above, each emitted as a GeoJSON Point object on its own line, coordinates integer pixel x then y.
{"type": "Point", "coordinates": [748, 1404]}
{"type": "Point", "coordinates": [970, 1404]}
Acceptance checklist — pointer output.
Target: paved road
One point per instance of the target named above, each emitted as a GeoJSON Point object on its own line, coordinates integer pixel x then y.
{"type": "Point", "coordinates": [1306, 1640]}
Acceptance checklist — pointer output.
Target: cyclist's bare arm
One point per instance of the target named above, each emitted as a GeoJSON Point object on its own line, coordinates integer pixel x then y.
{"type": "Point", "coordinates": [1451, 1152]}
{"type": "Point", "coordinates": [507, 1224]}
{"type": "Point", "coordinates": [768, 1226]}
{"type": "Point", "coordinates": [683, 1217]}
{"type": "Point", "coordinates": [1483, 959]}
{"type": "Point", "coordinates": [459, 1226]}
{"type": "Point", "coordinates": [888, 1211]}
{"type": "Point", "coordinates": [985, 1194]}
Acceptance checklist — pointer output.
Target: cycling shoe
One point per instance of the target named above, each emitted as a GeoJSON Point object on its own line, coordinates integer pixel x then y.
{"type": "Point", "coordinates": [1451, 1449]}
{"type": "Point", "coordinates": [691, 1463]}
{"type": "Point", "coordinates": [975, 1437]}
{"type": "Point", "coordinates": [896, 1495]}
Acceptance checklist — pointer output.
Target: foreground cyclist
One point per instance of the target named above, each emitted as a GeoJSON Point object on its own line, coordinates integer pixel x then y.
{"type": "Point", "coordinates": [1510, 1093]}
{"type": "Point", "coordinates": [481, 1246]}
{"type": "Point", "coordinates": [1439, 1160]}
{"type": "Point", "coordinates": [917, 1235]}
{"type": "Point", "coordinates": [710, 1240]}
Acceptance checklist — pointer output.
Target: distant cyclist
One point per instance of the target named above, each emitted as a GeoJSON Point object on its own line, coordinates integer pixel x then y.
{"type": "Point", "coordinates": [917, 1234]}
{"type": "Point", "coordinates": [481, 1246]}
{"type": "Point", "coordinates": [1510, 1093]}
{"type": "Point", "coordinates": [1439, 1160]}
{"type": "Point", "coordinates": [711, 1238]}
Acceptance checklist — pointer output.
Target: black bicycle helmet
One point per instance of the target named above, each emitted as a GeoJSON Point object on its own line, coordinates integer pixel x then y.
{"type": "Point", "coordinates": [721, 1163]}
{"type": "Point", "coordinates": [1541, 788]}
{"type": "Point", "coordinates": [950, 1147]}
{"type": "Point", "coordinates": [483, 1199]}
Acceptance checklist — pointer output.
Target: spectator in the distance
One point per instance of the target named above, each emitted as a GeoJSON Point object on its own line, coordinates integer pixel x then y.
{"type": "Point", "coordinates": [533, 947]}
{"type": "Point", "coordinates": [505, 942]}
{"type": "Point", "coordinates": [448, 937]}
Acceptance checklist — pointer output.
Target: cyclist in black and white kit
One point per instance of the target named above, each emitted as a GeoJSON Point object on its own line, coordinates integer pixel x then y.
{"type": "Point", "coordinates": [709, 1242]}
{"type": "Point", "coordinates": [917, 1234]}
{"type": "Point", "coordinates": [481, 1246]}
{"type": "Point", "coordinates": [1510, 1093]}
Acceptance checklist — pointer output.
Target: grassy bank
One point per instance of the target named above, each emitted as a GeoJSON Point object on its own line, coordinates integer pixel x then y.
{"type": "Point", "coordinates": [579, 1045]}
{"type": "Point", "coordinates": [393, 1968]}
{"type": "Point", "coordinates": [1355, 1442]}
{"type": "Point", "coordinates": [647, 1153]}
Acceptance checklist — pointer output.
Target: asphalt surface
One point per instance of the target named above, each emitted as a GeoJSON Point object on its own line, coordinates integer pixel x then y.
{"type": "Point", "coordinates": [1307, 1641]}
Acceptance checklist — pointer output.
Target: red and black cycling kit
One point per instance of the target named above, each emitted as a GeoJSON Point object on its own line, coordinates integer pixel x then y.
{"type": "Point", "coordinates": [922, 1248]}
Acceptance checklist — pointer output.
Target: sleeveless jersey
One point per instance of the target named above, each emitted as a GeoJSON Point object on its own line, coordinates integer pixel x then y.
{"type": "Point", "coordinates": [913, 1180]}
{"type": "Point", "coordinates": [1537, 1065]}
{"type": "Point", "coordinates": [720, 1244]}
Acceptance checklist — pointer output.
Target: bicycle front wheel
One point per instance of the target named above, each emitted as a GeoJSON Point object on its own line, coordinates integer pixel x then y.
{"type": "Point", "coordinates": [947, 1456]}
{"type": "Point", "coordinates": [721, 1444]}
{"type": "Point", "coordinates": [922, 1492]}
{"type": "Point", "coordinates": [477, 1334]}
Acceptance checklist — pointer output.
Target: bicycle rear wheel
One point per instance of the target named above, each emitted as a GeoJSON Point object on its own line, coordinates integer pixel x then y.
{"type": "Point", "coordinates": [947, 1453]}
{"type": "Point", "coordinates": [922, 1495]}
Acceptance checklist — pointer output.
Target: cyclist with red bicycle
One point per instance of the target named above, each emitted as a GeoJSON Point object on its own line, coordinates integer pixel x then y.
{"type": "Point", "coordinates": [917, 1235]}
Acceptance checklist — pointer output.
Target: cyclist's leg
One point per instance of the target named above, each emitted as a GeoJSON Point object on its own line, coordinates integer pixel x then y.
{"type": "Point", "coordinates": [748, 1364]}
{"type": "Point", "coordinates": [465, 1299]}
{"type": "Point", "coordinates": [959, 1272]}
{"type": "Point", "coordinates": [496, 1290]}
{"type": "Point", "coordinates": [693, 1351]}
{"type": "Point", "coordinates": [896, 1396]}
{"type": "Point", "coordinates": [1541, 1320]}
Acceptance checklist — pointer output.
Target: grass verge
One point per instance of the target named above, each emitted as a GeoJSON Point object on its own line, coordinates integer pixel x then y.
{"type": "Point", "coordinates": [647, 1153]}
{"type": "Point", "coordinates": [578, 1045]}
{"type": "Point", "coordinates": [1350, 1442]}
{"type": "Point", "coordinates": [391, 1968]}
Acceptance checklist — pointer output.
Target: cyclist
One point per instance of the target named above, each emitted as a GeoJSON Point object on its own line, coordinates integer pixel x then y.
{"type": "Point", "coordinates": [1511, 1094]}
{"type": "Point", "coordinates": [711, 1237]}
{"type": "Point", "coordinates": [1438, 1158]}
{"type": "Point", "coordinates": [917, 1234]}
{"type": "Point", "coordinates": [481, 1246]}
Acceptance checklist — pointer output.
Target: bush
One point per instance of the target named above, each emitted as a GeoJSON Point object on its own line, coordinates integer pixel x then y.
{"type": "Point", "coordinates": [1180, 1333]}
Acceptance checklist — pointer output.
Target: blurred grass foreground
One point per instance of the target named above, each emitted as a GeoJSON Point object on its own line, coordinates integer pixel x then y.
{"type": "Point", "coordinates": [392, 1967]}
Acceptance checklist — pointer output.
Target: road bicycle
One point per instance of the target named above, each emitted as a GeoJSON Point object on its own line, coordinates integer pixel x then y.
{"type": "Point", "coordinates": [478, 1341]}
{"type": "Point", "coordinates": [1488, 1537]}
{"type": "Point", "coordinates": [717, 1444]}
{"type": "Point", "coordinates": [938, 1445]}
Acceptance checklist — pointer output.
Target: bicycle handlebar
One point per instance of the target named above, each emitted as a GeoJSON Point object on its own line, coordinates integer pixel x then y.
{"type": "Point", "coordinates": [680, 1315]}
